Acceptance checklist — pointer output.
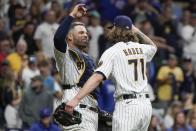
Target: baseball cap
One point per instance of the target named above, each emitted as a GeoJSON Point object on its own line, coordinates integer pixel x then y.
{"type": "Point", "coordinates": [123, 21]}
{"type": "Point", "coordinates": [45, 112]}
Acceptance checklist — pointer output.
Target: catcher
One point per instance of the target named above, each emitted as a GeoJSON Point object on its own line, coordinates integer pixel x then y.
{"type": "Point", "coordinates": [75, 67]}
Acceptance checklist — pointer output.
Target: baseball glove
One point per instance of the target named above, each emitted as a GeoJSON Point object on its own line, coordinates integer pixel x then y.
{"type": "Point", "coordinates": [65, 118]}
{"type": "Point", "coordinates": [105, 116]}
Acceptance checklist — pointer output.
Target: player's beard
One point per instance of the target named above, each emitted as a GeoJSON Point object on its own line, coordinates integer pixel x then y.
{"type": "Point", "coordinates": [81, 44]}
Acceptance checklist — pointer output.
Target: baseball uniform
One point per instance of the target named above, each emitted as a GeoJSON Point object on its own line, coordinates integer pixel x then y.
{"type": "Point", "coordinates": [75, 67]}
{"type": "Point", "coordinates": [126, 62]}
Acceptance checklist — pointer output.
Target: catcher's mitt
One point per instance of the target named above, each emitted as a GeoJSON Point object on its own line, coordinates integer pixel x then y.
{"type": "Point", "coordinates": [105, 116]}
{"type": "Point", "coordinates": [66, 119]}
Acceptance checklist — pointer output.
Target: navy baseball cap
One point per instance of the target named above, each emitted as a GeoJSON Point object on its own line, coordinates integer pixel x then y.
{"type": "Point", "coordinates": [123, 21]}
{"type": "Point", "coordinates": [45, 112]}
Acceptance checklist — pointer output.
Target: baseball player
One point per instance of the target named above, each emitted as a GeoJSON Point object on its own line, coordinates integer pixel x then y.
{"type": "Point", "coordinates": [76, 67]}
{"type": "Point", "coordinates": [126, 61]}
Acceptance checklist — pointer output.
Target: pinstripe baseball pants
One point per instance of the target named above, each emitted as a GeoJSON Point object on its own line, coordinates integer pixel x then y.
{"type": "Point", "coordinates": [89, 121]}
{"type": "Point", "coordinates": [132, 115]}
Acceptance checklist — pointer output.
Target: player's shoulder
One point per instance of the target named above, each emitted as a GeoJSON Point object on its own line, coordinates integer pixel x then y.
{"type": "Point", "coordinates": [112, 51]}
{"type": "Point", "coordinates": [114, 48]}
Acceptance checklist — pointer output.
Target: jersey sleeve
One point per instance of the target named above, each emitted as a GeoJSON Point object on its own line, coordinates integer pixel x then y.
{"type": "Point", "coordinates": [149, 51]}
{"type": "Point", "coordinates": [61, 34]}
{"type": "Point", "coordinates": [106, 62]}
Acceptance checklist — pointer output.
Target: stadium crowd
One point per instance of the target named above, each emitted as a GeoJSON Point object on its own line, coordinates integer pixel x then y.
{"type": "Point", "coordinates": [29, 81]}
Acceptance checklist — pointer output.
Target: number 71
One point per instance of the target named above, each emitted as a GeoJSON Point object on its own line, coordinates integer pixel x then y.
{"type": "Point", "coordinates": [135, 62]}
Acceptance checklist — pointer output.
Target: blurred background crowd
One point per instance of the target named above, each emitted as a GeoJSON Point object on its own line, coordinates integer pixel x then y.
{"type": "Point", "coordinates": [29, 81]}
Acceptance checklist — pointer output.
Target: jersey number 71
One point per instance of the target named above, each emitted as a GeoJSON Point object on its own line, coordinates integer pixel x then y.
{"type": "Point", "coordinates": [135, 62]}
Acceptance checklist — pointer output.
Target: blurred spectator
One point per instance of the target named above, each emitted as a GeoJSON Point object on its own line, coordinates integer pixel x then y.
{"type": "Point", "coordinates": [35, 12]}
{"type": "Point", "coordinates": [49, 81]}
{"type": "Point", "coordinates": [5, 48]}
{"type": "Point", "coordinates": [30, 72]}
{"type": "Point", "coordinates": [107, 10]}
{"type": "Point", "coordinates": [45, 70]}
{"type": "Point", "coordinates": [12, 99]}
{"type": "Point", "coordinates": [192, 6]}
{"type": "Point", "coordinates": [155, 124]}
{"type": "Point", "coordinates": [17, 58]}
{"type": "Point", "coordinates": [145, 11]}
{"type": "Point", "coordinates": [45, 122]}
{"type": "Point", "coordinates": [129, 9]}
{"type": "Point", "coordinates": [161, 43]}
{"type": "Point", "coordinates": [11, 9]}
{"type": "Point", "coordinates": [119, 4]}
{"type": "Point", "coordinates": [168, 30]}
{"type": "Point", "coordinates": [95, 30]}
{"type": "Point", "coordinates": [175, 107]}
{"type": "Point", "coordinates": [17, 21]}
{"type": "Point", "coordinates": [192, 120]}
{"type": "Point", "coordinates": [40, 56]}
{"type": "Point", "coordinates": [4, 68]}
{"type": "Point", "coordinates": [189, 84]}
{"type": "Point", "coordinates": [169, 79]}
{"type": "Point", "coordinates": [27, 35]}
{"type": "Point", "coordinates": [180, 123]}
{"type": "Point", "coordinates": [176, 11]}
{"type": "Point", "coordinates": [2, 28]}
{"type": "Point", "coordinates": [3, 8]}
{"type": "Point", "coordinates": [34, 99]}
{"type": "Point", "coordinates": [103, 42]}
{"type": "Point", "coordinates": [184, 21]}
{"type": "Point", "coordinates": [188, 33]}
{"type": "Point", "coordinates": [45, 32]}
{"type": "Point", "coordinates": [57, 8]}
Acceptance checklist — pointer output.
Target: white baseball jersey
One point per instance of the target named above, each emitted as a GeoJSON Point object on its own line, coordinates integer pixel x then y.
{"type": "Point", "coordinates": [71, 73]}
{"type": "Point", "coordinates": [126, 62]}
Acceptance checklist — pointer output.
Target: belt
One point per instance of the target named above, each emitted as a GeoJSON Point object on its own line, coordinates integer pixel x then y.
{"type": "Point", "coordinates": [89, 107]}
{"type": "Point", "coordinates": [67, 86]}
{"type": "Point", "coordinates": [133, 96]}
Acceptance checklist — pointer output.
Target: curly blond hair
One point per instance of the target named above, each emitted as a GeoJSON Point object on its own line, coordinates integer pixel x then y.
{"type": "Point", "coordinates": [123, 35]}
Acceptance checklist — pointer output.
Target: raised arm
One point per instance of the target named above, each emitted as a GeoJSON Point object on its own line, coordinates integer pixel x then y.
{"type": "Point", "coordinates": [142, 37]}
{"type": "Point", "coordinates": [61, 33]}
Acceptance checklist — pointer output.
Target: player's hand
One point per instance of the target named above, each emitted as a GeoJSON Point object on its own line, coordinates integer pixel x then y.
{"type": "Point", "coordinates": [71, 105]}
{"type": "Point", "coordinates": [78, 11]}
{"type": "Point", "coordinates": [135, 29]}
